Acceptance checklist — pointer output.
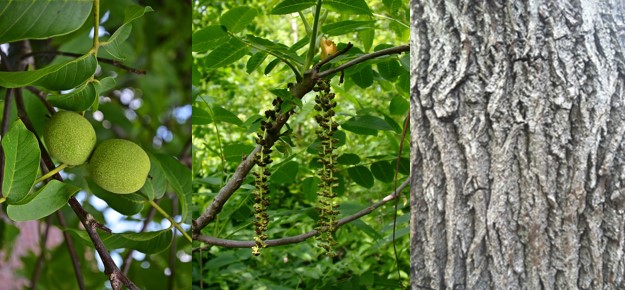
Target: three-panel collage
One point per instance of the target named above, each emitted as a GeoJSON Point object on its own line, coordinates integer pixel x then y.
{"type": "Point", "coordinates": [312, 144]}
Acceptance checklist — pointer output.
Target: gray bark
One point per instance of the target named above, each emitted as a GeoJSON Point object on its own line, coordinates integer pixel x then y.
{"type": "Point", "coordinates": [517, 125]}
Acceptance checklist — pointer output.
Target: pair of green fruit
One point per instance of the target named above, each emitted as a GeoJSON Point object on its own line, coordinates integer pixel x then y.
{"type": "Point", "coordinates": [116, 165]}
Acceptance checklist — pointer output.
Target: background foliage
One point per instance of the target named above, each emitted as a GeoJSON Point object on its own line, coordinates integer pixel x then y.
{"type": "Point", "coordinates": [232, 89]}
{"type": "Point", "coordinates": [152, 110]}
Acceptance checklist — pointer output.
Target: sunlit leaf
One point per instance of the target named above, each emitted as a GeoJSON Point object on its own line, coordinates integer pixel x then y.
{"type": "Point", "coordinates": [366, 37]}
{"type": "Point", "coordinates": [236, 152]}
{"type": "Point", "coordinates": [277, 49]}
{"type": "Point", "coordinates": [200, 116]}
{"type": "Point", "coordinates": [208, 38]}
{"type": "Point", "coordinates": [226, 53]}
{"type": "Point", "coordinates": [348, 26]}
{"type": "Point", "coordinates": [349, 6]}
{"type": "Point", "coordinates": [223, 115]}
{"type": "Point", "coordinates": [291, 6]}
{"type": "Point", "coordinates": [236, 19]}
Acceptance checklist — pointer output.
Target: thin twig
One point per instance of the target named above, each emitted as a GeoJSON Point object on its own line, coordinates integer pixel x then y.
{"type": "Point", "coordinates": [333, 56]}
{"type": "Point", "coordinates": [72, 251]}
{"type": "Point", "coordinates": [42, 97]}
{"type": "Point", "coordinates": [34, 280]}
{"type": "Point", "coordinates": [401, 146]}
{"type": "Point", "coordinates": [299, 238]}
{"type": "Point", "coordinates": [68, 242]}
{"type": "Point", "coordinates": [171, 220]}
{"type": "Point", "coordinates": [173, 247]}
{"type": "Point", "coordinates": [146, 222]}
{"type": "Point", "coordinates": [100, 59]}
{"type": "Point", "coordinates": [362, 58]}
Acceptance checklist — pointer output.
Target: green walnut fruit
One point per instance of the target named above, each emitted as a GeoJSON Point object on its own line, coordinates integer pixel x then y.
{"type": "Point", "coordinates": [70, 138]}
{"type": "Point", "coordinates": [119, 166]}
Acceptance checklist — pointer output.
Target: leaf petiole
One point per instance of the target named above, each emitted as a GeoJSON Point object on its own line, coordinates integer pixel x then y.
{"type": "Point", "coordinates": [173, 222]}
{"type": "Point", "coordinates": [51, 173]}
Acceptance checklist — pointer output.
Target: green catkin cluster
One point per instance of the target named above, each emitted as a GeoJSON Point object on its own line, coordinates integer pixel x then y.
{"type": "Point", "coordinates": [328, 207]}
{"type": "Point", "coordinates": [261, 176]}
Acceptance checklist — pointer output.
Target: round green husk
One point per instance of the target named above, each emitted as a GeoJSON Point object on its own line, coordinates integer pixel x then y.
{"type": "Point", "coordinates": [119, 166]}
{"type": "Point", "coordinates": [69, 137]}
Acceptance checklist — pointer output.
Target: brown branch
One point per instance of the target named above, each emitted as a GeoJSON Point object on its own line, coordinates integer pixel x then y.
{"type": "Point", "coordinates": [42, 97]}
{"type": "Point", "coordinates": [68, 241]}
{"type": "Point", "coordinates": [128, 258]}
{"type": "Point", "coordinates": [173, 247]}
{"type": "Point", "coordinates": [298, 91]}
{"type": "Point", "coordinates": [333, 56]}
{"type": "Point", "coordinates": [72, 251]}
{"type": "Point", "coordinates": [100, 59]}
{"type": "Point", "coordinates": [42, 253]}
{"type": "Point", "coordinates": [6, 113]}
{"type": "Point", "coordinates": [5, 61]}
{"type": "Point", "coordinates": [401, 146]}
{"type": "Point", "coordinates": [299, 238]}
{"type": "Point", "coordinates": [363, 58]}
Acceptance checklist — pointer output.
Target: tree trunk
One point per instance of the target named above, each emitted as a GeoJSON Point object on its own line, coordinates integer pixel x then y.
{"type": "Point", "coordinates": [518, 117]}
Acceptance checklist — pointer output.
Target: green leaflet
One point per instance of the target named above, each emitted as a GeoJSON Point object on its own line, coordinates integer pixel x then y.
{"type": "Point", "coordinates": [113, 45]}
{"type": "Point", "coordinates": [40, 19]}
{"type": "Point", "coordinates": [22, 153]}
{"type": "Point", "coordinates": [57, 77]}
{"type": "Point", "coordinates": [44, 202]}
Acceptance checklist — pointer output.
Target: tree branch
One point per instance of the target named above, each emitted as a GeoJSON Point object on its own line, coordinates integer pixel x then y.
{"type": "Point", "coordinates": [173, 248]}
{"type": "Point", "coordinates": [362, 58]}
{"type": "Point", "coordinates": [42, 97]}
{"type": "Point", "coordinates": [68, 242]}
{"type": "Point", "coordinates": [128, 258]}
{"type": "Point", "coordinates": [100, 59]}
{"type": "Point", "coordinates": [43, 240]}
{"type": "Point", "coordinates": [298, 91]}
{"type": "Point", "coordinates": [299, 238]}
{"type": "Point", "coordinates": [72, 252]}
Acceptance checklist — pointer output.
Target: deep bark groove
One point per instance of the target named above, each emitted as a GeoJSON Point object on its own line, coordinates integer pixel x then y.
{"type": "Point", "coordinates": [518, 157]}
